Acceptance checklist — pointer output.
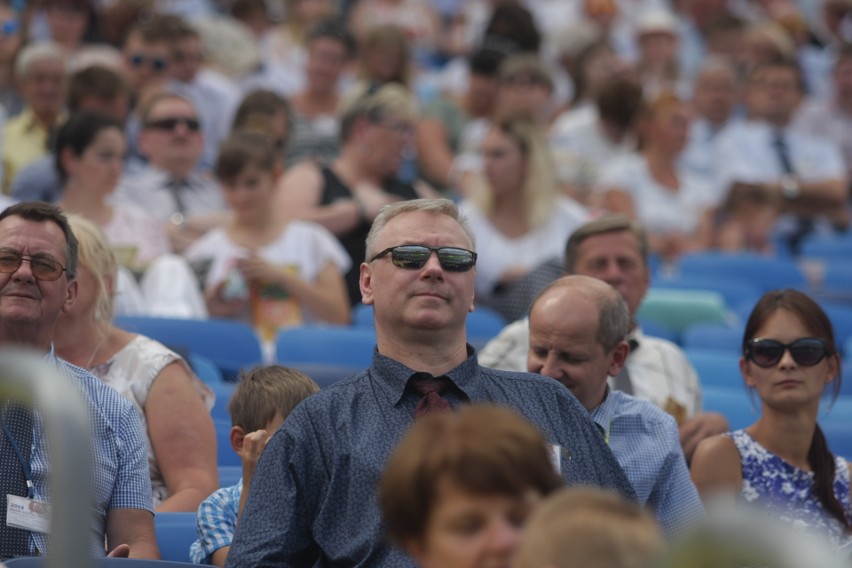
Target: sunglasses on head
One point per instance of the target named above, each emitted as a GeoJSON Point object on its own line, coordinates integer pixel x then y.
{"type": "Point", "coordinates": [170, 123]}
{"type": "Point", "coordinates": [156, 63]}
{"type": "Point", "coordinates": [807, 351]}
{"type": "Point", "coordinates": [415, 257]}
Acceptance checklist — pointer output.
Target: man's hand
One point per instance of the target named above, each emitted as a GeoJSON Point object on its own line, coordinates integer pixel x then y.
{"type": "Point", "coordinates": [698, 427]}
{"type": "Point", "coordinates": [120, 551]}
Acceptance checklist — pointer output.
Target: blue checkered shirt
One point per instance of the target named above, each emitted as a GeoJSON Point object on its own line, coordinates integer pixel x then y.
{"type": "Point", "coordinates": [646, 443]}
{"type": "Point", "coordinates": [216, 523]}
{"type": "Point", "coordinates": [120, 468]}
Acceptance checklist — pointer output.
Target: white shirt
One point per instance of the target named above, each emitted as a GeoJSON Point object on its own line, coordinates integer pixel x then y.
{"type": "Point", "coordinates": [747, 154]}
{"type": "Point", "coordinates": [149, 189]}
{"type": "Point", "coordinates": [498, 253]}
{"type": "Point", "coordinates": [658, 369]}
{"type": "Point", "coordinates": [581, 148]}
{"type": "Point", "coordinates": [305, 246]}
{"type": "Point", "coordinates": [658, 208]}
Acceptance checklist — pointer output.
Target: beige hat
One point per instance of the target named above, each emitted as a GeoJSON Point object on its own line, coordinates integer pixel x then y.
{"type": "Point", "coordinates": [656, 21]}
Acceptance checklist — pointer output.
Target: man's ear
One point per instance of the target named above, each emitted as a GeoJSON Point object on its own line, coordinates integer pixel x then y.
{"type": "Point", "coordinates": [237, 437]}
{"type": "Point", "coordinates": [618, 358]}
{"type": "Point", "coordinates": [365, 281]}
{"type": "Point", "coordinates": [70, 296]}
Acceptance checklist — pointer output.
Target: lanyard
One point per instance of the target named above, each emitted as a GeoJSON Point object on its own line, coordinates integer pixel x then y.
{"type": "Point", "coordinates": [28, 474]}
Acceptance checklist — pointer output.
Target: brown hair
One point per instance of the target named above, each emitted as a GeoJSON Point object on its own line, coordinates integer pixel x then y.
{"type": "Point", "coordinates": [257, 110]}
{"type": "Point", "coordinates": [816, 322]}
{"type": "Point", "coordinates": [484, 449]}
{"type": "Point", "coordinates": [580, 527]}
{"type": "Point", "coordinates": [97, 81]}
{"type": "Point", "coordinates": [241, 150]}
{"type": "Point", "coordinates": [264, 392]}
{"type": "Point", "coordinates": [603, 225]}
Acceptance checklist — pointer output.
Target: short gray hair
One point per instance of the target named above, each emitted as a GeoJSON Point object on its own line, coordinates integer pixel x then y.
{"type": "Point", "coordinates": [34, 52]}
{"type": "Point", "coordinates": [435, 206]}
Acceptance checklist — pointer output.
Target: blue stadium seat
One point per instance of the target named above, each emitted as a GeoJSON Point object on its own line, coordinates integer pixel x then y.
{"type": "Point", "coordinates": [223, 392]}
{"type": "Point", "coordinates": [839, 437]}
{"type": "Point", "coordinates": [716, 369]}
{"type": "Point", "coordinates": [654, 329]}
{"type": "Point", "coordinates": [231, 345]}
{"type": "Point", "coordinates": [483, 323]}
{"type": "Point", "coordinates": [225, 454]}
{"type": "Point", "coordinates": [230, 474]}
{"type": "Point", "coordinates": [733, 290]}
{"type": "Point", "coordinates": [713, 336]}
{"type": "Point", "coordinates": [828, 247]}
{"type": "Point", "coordinates": [678, 309]}
{"type": "Point", "coordinates": [841, 320]}
{"type": "Point", "coordinates": [325, 345]}
{"type": "Point", "coordinates": [175, 534]}
{"type": "Point", "coordinates": [734, 404]}
{"type": "Point", "coordinates": [767, 273]}
{"type": "Point", "coordinates": [205, 369]}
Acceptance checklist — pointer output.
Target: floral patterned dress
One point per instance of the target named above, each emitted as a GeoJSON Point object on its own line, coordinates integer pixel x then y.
{"type": "Point", "coordinates": [786, 490]}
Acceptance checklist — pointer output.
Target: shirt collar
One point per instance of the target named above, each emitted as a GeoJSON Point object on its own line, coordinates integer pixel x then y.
{"type": "Point", "coordinates": [602, 415]}
{"type": "Point", "coordinates": [391, 376]}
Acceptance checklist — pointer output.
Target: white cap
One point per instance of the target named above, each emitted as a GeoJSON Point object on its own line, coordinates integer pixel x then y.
{"type": "Point", "coordinates": [656, 21]}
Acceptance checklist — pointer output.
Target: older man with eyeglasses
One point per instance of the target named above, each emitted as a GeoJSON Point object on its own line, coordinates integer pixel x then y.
{"type": "Point", "coordinates": [313, 498]}
{"type": "Point", "coordinates": [38, 259]}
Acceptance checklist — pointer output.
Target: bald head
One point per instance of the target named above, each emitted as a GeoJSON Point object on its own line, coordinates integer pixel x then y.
{"type": "Point", "coordinates": [577, 329]}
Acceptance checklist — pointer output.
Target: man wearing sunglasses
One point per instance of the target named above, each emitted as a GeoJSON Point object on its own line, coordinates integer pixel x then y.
{"type": "Point", "coordinates": [313, 496]}
{"type": "Point", "coordinates": [38, 261]}
{"type": "Point", "coordinates": [170, 186]}
{"type": "Point", "coordinates": [615, 249]}
{"type": "Point", "coordinates": [577, 330]}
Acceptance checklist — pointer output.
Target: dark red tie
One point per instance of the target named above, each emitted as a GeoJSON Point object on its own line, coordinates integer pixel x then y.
{"type": "Point", "coordinates": [430, 388]}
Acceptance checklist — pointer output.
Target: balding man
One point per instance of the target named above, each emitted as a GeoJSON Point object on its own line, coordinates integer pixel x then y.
{"type": "Point", "coordinates": [615, 249]}
{"type": "Point", "coordinates": [577, 330]}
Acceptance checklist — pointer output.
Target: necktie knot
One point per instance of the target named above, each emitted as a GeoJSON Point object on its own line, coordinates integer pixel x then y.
{"type": "Point", "coordinates": [430, 389]}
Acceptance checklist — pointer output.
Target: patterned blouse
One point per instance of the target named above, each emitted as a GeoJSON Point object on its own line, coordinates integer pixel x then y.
{"type": "Point", "coordinates": [786, 490]}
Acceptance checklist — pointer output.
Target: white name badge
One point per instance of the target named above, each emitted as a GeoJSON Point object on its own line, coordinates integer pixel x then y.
{"type": "Point", "coordinates": [556, 457]}
{"type": "Point", "coordinates": [27, 514]}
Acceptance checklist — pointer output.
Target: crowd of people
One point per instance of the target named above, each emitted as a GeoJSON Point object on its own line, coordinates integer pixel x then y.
{"type": "Point", "coordinates": [282, 162]}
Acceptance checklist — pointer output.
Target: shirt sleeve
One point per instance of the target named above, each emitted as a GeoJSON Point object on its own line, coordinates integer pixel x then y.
{"type": "Point", "coordinates": [216, 522]}
{"type": "Point", "coordinates": [132, 489]}
{"type": "Point", "coordinates": [275, 529]}
{"type": "Point", "coordinates": [674, 498]}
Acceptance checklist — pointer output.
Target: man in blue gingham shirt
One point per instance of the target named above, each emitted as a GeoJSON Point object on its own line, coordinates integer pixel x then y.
{"type": "Point", "coordinates": [39, 257]}
{"type": "Point", "coordinates": [577, 330]}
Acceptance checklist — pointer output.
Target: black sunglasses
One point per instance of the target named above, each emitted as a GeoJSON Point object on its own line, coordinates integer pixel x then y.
{"type": "Point", "coordinates": [807, 351]}
{"type": "Point", "coordinates": [42, 267]}
{"type": "Point", "coordinates": [156, 63]}
{"type": "Point", "coordinates": [171, 123]}
{"type": "Point", "coordinates": [415, 257]}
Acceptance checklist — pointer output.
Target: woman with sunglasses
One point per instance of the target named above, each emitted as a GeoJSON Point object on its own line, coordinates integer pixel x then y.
{"type": "Point", "coordinates": [782, 462]}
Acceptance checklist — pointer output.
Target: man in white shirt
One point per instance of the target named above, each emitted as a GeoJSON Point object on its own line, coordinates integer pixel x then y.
{"type": "Point", "coordinates": [169, 187]}
{"type": "Point", "coordinates": [806, 173]}
{"type": "Point", "coordinates": [615, 250]}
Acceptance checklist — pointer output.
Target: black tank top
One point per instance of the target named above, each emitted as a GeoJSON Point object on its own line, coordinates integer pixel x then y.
{"type": "Point", "coordinates": [354, 241]}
